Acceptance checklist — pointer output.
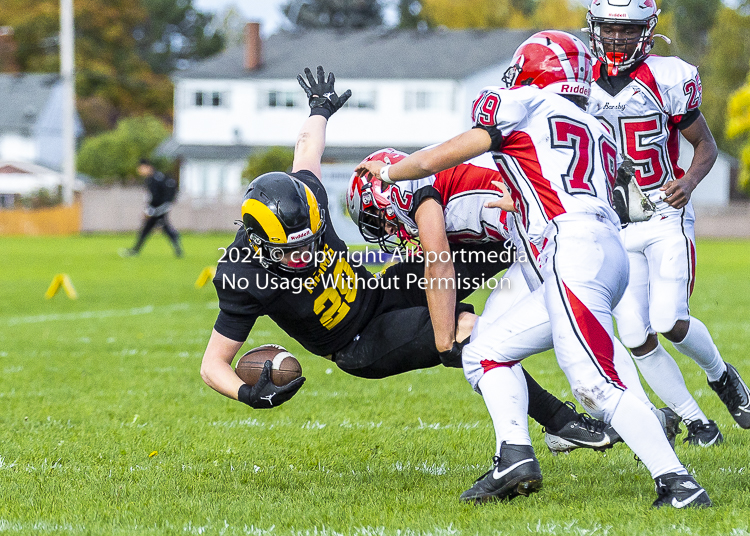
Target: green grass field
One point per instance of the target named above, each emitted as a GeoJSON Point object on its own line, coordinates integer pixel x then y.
{"type": "Point", "coordinates": [107, 428]}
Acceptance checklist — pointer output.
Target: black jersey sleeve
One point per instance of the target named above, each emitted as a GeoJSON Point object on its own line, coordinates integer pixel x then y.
{"type": "Point", "coordinates": [235, 327]}
{"type": "Point", "coordinates": [238, 309]}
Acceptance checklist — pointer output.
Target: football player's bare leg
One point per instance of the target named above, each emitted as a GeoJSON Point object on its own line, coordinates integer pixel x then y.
{"type": "Point", "coordinates": [465, 325]}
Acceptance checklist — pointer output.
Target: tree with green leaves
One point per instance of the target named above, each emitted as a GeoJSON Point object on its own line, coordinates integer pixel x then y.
{"type": "Point", "coordinates": [174, 33]}
{"type": "Point", "coordinates": [724, 68]}
{"type": "Point", "coordinates": [272, 159]}
{"type": "Point", "coordinates": [112, 81]}
{"type": "Point", "coordinates": [738, 126]}
{"type": "Point", "coordinates": [487, 14]}
{"type": "Point", "coordinates": [408, 13]}
{"type": "Point", "coordinates": [690, 21]}
{"type": "Point", "coordinates": [123, 48]}
{"type": "Point", "coordinates": [113, 156]}
{"type": "Point", "coordinates": [349, 14]}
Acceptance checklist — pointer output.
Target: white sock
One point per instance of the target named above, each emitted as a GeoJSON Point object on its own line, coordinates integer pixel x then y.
{"type": "Point", "coordinates": [629, 374]}
{"type": "Point", "coordinates": [641, 431]}
{"type": "Point", "coordinates": [699, 346]}
{"type": "Point", "coordinates": [663, 376]}
{"type": "Point", "coordinates": [507, 399]}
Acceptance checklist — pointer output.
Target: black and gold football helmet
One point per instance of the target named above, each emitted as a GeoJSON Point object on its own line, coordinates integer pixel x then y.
{"type": "Point", "coordinates": [284, 223]}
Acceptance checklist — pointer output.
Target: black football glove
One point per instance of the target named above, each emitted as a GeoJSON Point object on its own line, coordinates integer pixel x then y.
{"type": "Point", "coordinates": [629, 201]}
{"type": "Point", "coordinates": [452, 358]}
{"type": "Point", "coordinates": [265, 394]}
{"type": "Point", "coordinates": [321, 95]}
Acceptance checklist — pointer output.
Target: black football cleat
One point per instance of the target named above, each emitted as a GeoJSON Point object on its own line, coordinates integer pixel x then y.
{"type": "Point", "coordinates": [516, 472]}
{"type": "Point", "coordinates": [670, 422]}
{"type": "Point", "coordinates": [582, 433]}
{"type": "Point", "coordinates": [703, 435]}
{"type": "Point", "coordinates": [735, 395]}
{"type": "Point", "coordinates": [680, 491]}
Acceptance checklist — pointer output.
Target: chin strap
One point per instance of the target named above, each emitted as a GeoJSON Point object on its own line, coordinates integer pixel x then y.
{"type": "Point", "coordinates": [666, 39]}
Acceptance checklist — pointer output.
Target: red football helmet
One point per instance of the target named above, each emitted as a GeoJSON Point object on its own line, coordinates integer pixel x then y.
{"type": "Point", "coordinates": [369, 204]}
{"type": "Point", "coordinates": [553, 61]}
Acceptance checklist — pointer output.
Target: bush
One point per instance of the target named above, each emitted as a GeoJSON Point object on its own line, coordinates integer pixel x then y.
{"type": "Point", "coordinates": [113, 156]}
{"type": "Point", "coordinates": [273, 159]}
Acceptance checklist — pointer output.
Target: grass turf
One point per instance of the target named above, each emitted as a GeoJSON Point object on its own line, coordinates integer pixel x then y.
{"type": "Point", "coordinates": [107, 428]}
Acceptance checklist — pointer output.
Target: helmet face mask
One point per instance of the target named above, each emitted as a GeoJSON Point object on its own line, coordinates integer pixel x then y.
{"type": "Point", "coordinates": [369, 204]}
{"type": "Point", "coordinates": [284, 224]}
{"type": "Point", "coordinates": [381, 226]}
{"type": "Point", "coordinates": [621, 31]}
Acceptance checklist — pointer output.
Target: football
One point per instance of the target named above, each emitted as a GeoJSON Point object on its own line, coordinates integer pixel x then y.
{"type": "Point", "coordinates": [285, 366]}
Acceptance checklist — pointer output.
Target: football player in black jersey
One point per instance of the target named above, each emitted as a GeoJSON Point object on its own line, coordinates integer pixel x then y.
{"type": "Point", "coordinates": [287, 262]}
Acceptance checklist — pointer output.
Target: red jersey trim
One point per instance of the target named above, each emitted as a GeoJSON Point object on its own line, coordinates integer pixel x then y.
{"type": "Point", "coordinates": [520, 146]}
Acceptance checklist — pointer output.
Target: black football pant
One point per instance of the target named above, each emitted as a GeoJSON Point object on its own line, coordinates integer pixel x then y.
{"type": "Point", "coordinates": [150, 224]}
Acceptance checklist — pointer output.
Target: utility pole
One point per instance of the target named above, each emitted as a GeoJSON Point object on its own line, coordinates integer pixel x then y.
{"type": "Point", "coordinates": [67, 73]}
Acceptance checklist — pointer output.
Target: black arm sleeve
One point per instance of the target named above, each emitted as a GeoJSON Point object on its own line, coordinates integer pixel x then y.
{"type": "Point", "coordinates": [420, 196]}
{"type": "Point", "coordinates": [495, 135]}
{"type": "Point", "coordinates": [687, 119]}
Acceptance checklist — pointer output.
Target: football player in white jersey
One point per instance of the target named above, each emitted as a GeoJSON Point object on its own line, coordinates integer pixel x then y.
{"type": "Point", "coordinates": [646, 101]}
{"type": "Point", "coordinates": [461, 212]}
{"type": "Point", "coordinates": [560, 165]}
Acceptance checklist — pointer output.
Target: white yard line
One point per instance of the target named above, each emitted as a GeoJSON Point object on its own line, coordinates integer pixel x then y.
{"type": "Point", "coordinates": [107, 313]}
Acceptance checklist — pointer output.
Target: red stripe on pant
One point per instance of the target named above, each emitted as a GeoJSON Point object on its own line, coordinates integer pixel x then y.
{"type": "Point", "coordinates": [595, 335]}
{"type": "Point", "coordinates": [488, 365]}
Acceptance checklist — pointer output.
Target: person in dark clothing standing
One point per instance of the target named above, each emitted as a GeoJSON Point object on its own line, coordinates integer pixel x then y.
{"type": "Point", "coordinates": [163, 191]}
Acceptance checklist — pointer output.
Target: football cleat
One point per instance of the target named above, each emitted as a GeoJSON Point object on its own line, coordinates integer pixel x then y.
{"type": "Point", "coordinates": [670, 422]}
{"type": "Point", "coordinates": [680, 491]}
{"type": "Point", "coordinates": [583, 432]}
{"type": "Point", "coordinates": [735, 395]}
{"type": "Point", "coordinates": [516, 472]}
{"type": "Point", "coordinates": [703, 435]}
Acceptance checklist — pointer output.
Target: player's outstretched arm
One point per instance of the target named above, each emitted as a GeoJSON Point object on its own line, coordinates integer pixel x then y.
{"type": "Point", "coordinates": [430, 161]}
{"type": "Point", "coordinates": [217, 372]}
{"type": "Point", "coordinates": [439, 273]}
{"type": "Point", "coordinates": [677, 193]}
{"type": "Point", "coordinates": [324, 102]}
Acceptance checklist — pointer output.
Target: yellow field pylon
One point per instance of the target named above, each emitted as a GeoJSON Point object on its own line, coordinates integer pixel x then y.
{"type": "Point", "coordinates": [61, 280]}
{"type": "Point", "coordinates": [207, 275]}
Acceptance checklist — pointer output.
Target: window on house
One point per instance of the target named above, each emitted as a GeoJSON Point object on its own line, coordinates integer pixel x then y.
{"type": "Point", "coordinates": [282, 99]}
{"type": "Point", "coordinates": [362, 100]}
{"type": "Point", "coordinates": [7, 200]}
{"type": "Point", "coordinates": [203, 98]}
{"type": "Point", "coordinates": [421, 100]}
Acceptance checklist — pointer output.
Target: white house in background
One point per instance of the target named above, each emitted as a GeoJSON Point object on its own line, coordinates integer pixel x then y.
{"type": "Point", "coordinates": [410, 89]}
{"type": "Point", "coordinates": [31, 148]}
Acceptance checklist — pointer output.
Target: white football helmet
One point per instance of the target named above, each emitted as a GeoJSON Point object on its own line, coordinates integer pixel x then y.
{"type": "Point", "coordinates": [614, 52]}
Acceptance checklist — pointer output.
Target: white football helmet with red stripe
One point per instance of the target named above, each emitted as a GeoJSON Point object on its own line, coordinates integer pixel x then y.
{"type": "Point", "coordinates": [618, 53]}
{"type": "Point", "coordinates": [369, 204]}
{"type": "Point", "coordinates": [553, 61]}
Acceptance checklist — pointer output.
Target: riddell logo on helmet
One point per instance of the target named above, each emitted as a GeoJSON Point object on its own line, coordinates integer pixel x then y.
{"type": "Point", "coordinates": [575, 90]}
{"type": "Point", "coordinates": [298, 236]}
